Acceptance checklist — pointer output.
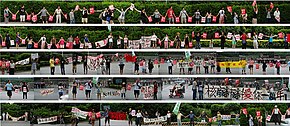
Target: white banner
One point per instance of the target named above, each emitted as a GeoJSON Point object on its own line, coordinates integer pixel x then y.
{"type": "Point", "coordinates": [34, 55]}
{"type": "Point", "coordinates": [46, 91]}
{"type": "Point", "coordinates": [47, 120]}
{"type": "Point", "coordinates": [79, 113]}
{"type": "Point", "coordinates": [148, 92]}
{"type": "Point", "coordinates": [185, 65]}
{"type": "Point", "coordinates": [226, 117]}
{"type": "Point", "coordinates": [22, 62]}
{"type": "Point", "coordinates": [100, 44]}
{"type": "Point", "coordinates": [160, 119]}
{"type": "Point", "coordinates": [15, 119]}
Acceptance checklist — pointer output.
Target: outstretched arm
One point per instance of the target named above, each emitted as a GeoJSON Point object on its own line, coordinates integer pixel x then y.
{"type": "Point", "coordinates": [137, 10]}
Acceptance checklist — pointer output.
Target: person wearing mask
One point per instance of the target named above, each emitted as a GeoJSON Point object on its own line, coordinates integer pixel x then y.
{"type": "Point", "coordinates": [183, 16]}
{"type": "Point", "coordinates": [85, 14]}
{"type": "Point", "coordinates": [12, 68]}
{"type": "Point", "coordinates": [22, 12]}
{"type": "Point", "coordinates": [43, 15]}
{"type": "Point", "coordinates": [121, 18]}
{"type": "Point", "coordinates": [9, 88]}
{"type": "Point", "coordinates": [171, 15]}
{"type": "Point", "coordinates": [277, 15]}
{"type": "Point", "coordinates": [88, 89]}
{"type": "Point", "coordinates": [52, 66]}
{"type": "Point", "coordinates": [268, 16]}
{"type": "Point", "coordinates": [25, 90]}
{"type": "Point", "coordinates": [58, 13]}
{"type": "Point", "coordinates": [191, 117]}
{"type": "Point", "coordinates": [156, 16]}
{"type": "Point", "coordinates": [276, 115]}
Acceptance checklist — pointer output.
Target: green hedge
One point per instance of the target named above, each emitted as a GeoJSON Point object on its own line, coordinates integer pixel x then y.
{"type": "Point", "coordinates": [133, 16]}
{"type": "Point", "coordinates": [135, 33]}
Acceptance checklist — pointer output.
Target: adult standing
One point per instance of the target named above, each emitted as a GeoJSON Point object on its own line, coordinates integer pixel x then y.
{"type": "Point", "coordinates": [22, 12]}
{"type": "Point", "coordinates": [276, 115]}
{"type": "Point", "coordinates": [53, 43]}
{"type": "Point", "coordinates": [74, 90]}
{"type": "Point", "coordinates": [143, 16]}
{"type": "Point", "coordinates": [170, 65]}
{"type": "Point", "coordinates": [121, 66]}
{"type": "Point", "coordinates": [154, 40]}
{"type": "Point", "coordinates": [219, 118]}
{"type": "Point", "coordinates": [203, 116]}
{"type": "Point", "coordinates": [268, 15]}
{"type": "Point", "coordinates": [194, 89]}
{"type": "Point", "coordinates": [223, 40]}
{"type": "Point", "coordinates": [110, 39]}
{"type": "Point", "coordinates": [72, 19]}
{"type": "Point", "coordinates": [60, 90]}
{"type": "Point", "coordinates": [107, 117]}
{"type": "Point", "coordinates": [139, 117]}
{"type": "Point", "coordinates": [183, 15]}
{"type": "Point", "coordinates": [12, 67]}
{"type": "Point", "coordinates": [155, 90]}
{"type": "Point", "coordinates": [7, 40]}
{"type": "Point", "coordinates": [244, 40]}
{"type": "Point", "coordinates": [62, 66]}
{"type": "Point", "coordinates": [9, 87]}
{"type": "Point", "coordinates": [186, 41]}
{"type": "Point", "coordinates": [222, 16]}
{"type": "Point", "coordinates": [287, 113]}
{"type": "Point", "coordinates": [108, 65]}
{"type": "Point", "coordinates": [52, 66]}
{"type": "Point", "coordinates": [150, 66]}
{"type": "Point", "coordinates": [255, 15]}
{"type": "Point", "coordinates": [234, 41]}
{"type": "Point", "coordinates": [74, 65]}
{"type": "Point", "coordinates": [197, 17]}
{"type": "Point", "coordinates": [85, 64]}
{"type": "Point", "coordinates": [43, 42]}
{"type": "Point", "coordinates": [58, 13]}
{"type": "Point", "coordinates": [178, 117]}
{"type": "Point", "coordinates": [278, 66]}
{"type": "Point", "coordinates": [130, 117]}
{"type": "Point", "coordinates": [191, 117]}
{"type": "Point", "coordinates": [93, 117]}
{"type": "Point", "coordinates": [197, 40]}
{"type": "Point", "coordinates": [270, 40]}
{"type": "Point", "coordinates": [277, 15]}
{"type": "Point", "coordinates": [137, 88]}
{"type": "Point", "coordinates": [200, 90]}
{"type": "Point", "coordinates": [88, 89]}
{"type": "Point", "coordinates": [251, 122]}
{"type": "Point", "coordinates": [171, 15]}
{"type": "Point", "coordinates": [85, 14]}
{"type": "Point", "coordinates": [255, 41]}
{"type": "Point", "coordinates": [121, 18]}
{"type": "Point", "coordinates": [251, 65]}
{"type": "Point", "coordinates": [177, 40]}
{"type": "Point", "coordinates": [168, 115]}
{"type": "Point", "coordinates": [156, 16]}
{"type": "Point", "coordinates": [33, 66]}
{"type": "Point", "coordinates": [43, 15]}
{"type": "Point", "coordinates": [260, 120]}
{"type": "Point", "coordinates": [7, 13]}
{"type": "Point", "coordinates": [76, 43]}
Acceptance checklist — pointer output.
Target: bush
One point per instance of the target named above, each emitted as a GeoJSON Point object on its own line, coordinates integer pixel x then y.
{"type": "Point", "coordinates": [133, 16]}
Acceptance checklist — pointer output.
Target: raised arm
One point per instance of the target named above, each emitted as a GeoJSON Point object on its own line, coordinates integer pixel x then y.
{"type": "Point", "coordinates": [118, 10]}
{"type": "Point", "coordinates": [137, 10]}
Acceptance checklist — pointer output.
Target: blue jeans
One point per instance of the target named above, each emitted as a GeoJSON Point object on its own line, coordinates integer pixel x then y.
{"type": "Point", "coordinates": [200, 95]}
{"type": "Point", "coordinates": [219, 123]}
{"type": "Point", "coordinates": [193, 94]}
{"type": "Point", "coordinates": [29, 46]}
{"type": "Point", "coordinates": [179, 122]}
{"type": "Point", "coordinates": [72, 21]}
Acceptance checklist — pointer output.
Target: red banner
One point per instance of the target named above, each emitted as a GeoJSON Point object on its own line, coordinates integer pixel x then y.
{"type": "Point", "coordinates": [150, 19]}
{"type": "Point", "coordinates": [162, 19]}
{"type": "Point", "coordinates": [92, 10]}
{"type": "Point", "coordinates": [117, 115]}
{"type": "Point", "coordinates": [243, 11]}
{"type": "Point", "coordinates": [230, 9]}
{"type": "Point", "coordinates": [204, 35]}
{"type": "Point", "coordinates": [189, 19]}
{"type": "Point", "coordinates": [177, 20]}
{"type": "Point", "coordinates": [13, 17]}
{"type": "Point", "coordinates": [28, 17]}
{"type": "Point", "coordinates": [216, 35]}
{"type": "Point", "coordinates": [245, 111]}
{"type": "Point", "coordinates": [258, 113]}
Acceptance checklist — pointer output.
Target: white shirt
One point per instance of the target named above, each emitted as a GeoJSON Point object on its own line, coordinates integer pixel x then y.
{"type": "Point", "coordinates": [168, 115]}
{"type": "Point", "coordinates": [276, 111]}
{"type": "Point", "coordinates": [43, 39]}
{"type": "Point", "coordinates": [110, 38]}
{"type": "Point", "coordinates": [169, 63]}
{"type": "Point", "coordinates": [125, 40]}
{"type": "Point", "coordinates": [222, 12]}
{"type": "Point", "coordinates": [166, 39]}
{"type": "Point", "coordinates": [139, 115]}
{"type": "Point", "coordinates": [12, 65]}
{"type": "Point", "coordinates": [153, 38]}
{"type": "Point", "coordinates": [58, 11]}
{"type": "Point", "coordinates": [277, 14]}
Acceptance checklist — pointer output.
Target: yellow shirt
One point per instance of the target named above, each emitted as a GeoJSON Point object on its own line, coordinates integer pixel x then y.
{"type": "Point", "coordinates": [51, 63]}
{"type": "Point", "coordinates": [244, 63]}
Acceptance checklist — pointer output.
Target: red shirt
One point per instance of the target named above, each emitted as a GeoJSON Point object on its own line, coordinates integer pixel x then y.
{"type": "Point", "coordinates": [244, 37]}
{"type": "Point", "coordinates": [77, 40]}
{"type": "Point", "coordinates": [155, 88]}
{"type": "Point", "coordinates": [170, 13]}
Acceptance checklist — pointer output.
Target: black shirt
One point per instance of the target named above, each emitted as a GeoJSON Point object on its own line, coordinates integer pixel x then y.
{"type": "Point", "coordinates": [223, 39]}
{"type": "Point", "coordinates": [75, 62]}
{"type": "Point", "coordinates": [22, 11]}
{"type": "Point", "coordinates": [85, 13]}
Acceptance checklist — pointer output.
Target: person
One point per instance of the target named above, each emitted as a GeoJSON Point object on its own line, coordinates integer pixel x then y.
{"type": "Point", "coordinates": [72, 19]}
{"type": "Point", "coordinates": [121, 66]}
{"type": "Point", "coordinates": [126, 42]}
{"type": "Point", "coordinates": [223, 40]}
{"type": "Point", "coordinates": [166, 40]}
{"type": "Point", "coordinates": [251, 65]}
{"type": "Point", "coordinates": [150, 66]}
{"type": "Point", "coordinates": [156, 16]}
{"type": "Point", "coordinates": [110, 39]}
{"type": "Point", "coordinates": [104, 16]}
{"type": "Point", "coordinates": [70, 41]}
{"type": "Point", "coordinates": [191, 117]}
{"type": "Point", "coordinates": [25, 90]}
{"type": "Point", "coordinates": [244, 64]}
{"type": "Point", "coordinates": [183, 14]}
{"type": "Point", "coordinates": [170, 65]}
{"type": "Point", "coordinates": [277, 15]}
{"type": "Point", "coordinates": [255, 15]}
{"type": "Point", "coordinates": [85, 64]}
{"type": "Point", "coordinates": [85, 14]}
{"type": "Point", "coordinates": [61, 43]}
{"type": "Point", "coordinates": [208, 17]}
{"type": "Point", "coordinates": [58, 13]}
{"type": "Point", "coordinates": [42, 41]}
{"type": "Point", "coordinates": [1, 40]}
{"type": "Point", "coordinates": [53, 43]}
{"type": "Point", "coordinates": [130, 117]}
{"type": "Point", "coordinates": [93, 117]}
{"type": "Point", "coordinates": [186, 41]}
{"type": "Point", "coordinates": [255, 41]}
{"type": "Point", "coordinates": [264, 67]}
{"type": "Point", "coordinates": [143, 16]}
{"type": "Point", "coordinates": [270, 40]}
{"type": "Point", "coordinates": [219, 118]}
{"type": "Point", "coordinates": [276, 115]}
{"type": "Point", "coordinates": [99, 90]}
{"type": "Point", "coordinates": [278, 66]}
{"type": "Point", "coordinates": [52, 66]}
{"type": "Point", "coordinates": [12, 68]}
{"type": "Point", "coordinates": [108, 65]}
{"type": "Point", "coordinates": [9, 87]}
{"type": "Point", "coordinates": [181, 65]}
{"type": "Point", "coordinates": [22, 12]}
{"type": "Point", "coordinates": [107, 117]}
{"type": "Point", "coordinates": [268, 16]}
{"type": "Point", "coordinates": [154, 40]}
{"type": "Point", "coordinates": [251, 122]}
{"type": "Point", "coordinates": [62, 67]}
{"type": "Point", "coordinates": [244, 18]}
{"type": "Point", "coordinates": [222, 16]}
{"type": "Point", "coordinates": [33, 66]}
{"type": "Point", "coordinates": [7, 41]}
{"type": "Point", "coordinates": [194, 89]}
{"type": "Point", "coordinates": [200, 90]}
{"type": "Point", "coordinates": [168, 115]}
{"type": "Point", "coordinates": [203, 116]}
{"type": "Point", "coordinates": [235, 18]}
{"type": "Point", "coordinates": [287, 113]}
{"type": "Point", "coordinates": [260, 120]}
{"type": "Point", "coordinates": [197, 65]}
{"type": "Point", "coordinates": [123, 93]}
{"type": "Point", "coordinates": [43, 13]}
{"type": "Point", "coordinates": [32, 119]}
{"type": "Point", "coordinates": [74, 90]}
{"type": "Point", "coordinates": [30, 43]}
{"type": "Point", "coordinates": [60, 90]}
{"type": "Point", "coordinates": [197, 17]}
{"type": "Point", "coordinates": [206, 65]}
{"type": "Point", "coordinates": [121, 18]}
{"type": "Point", "coordinates": [171, 15]}
{"type": "Point", "coordinates": [234, 41]}
{"type": "Point", "coordinates": [74, 65]}
{"type": "Point", "coordinates": [244, 40]}
{"type": "Point", "coordinates": [139, 117]}
{"type": "Point", "coordinates": [197, 40]}
{"type": "Point", "coordinates": [178, 116]}
{"type": "Point", "coordinates": [76, 43]}
{"type": "Point", "coordinates": [6, 15]}
{"type": "Point", "coordinates": [155, 90]}
{"type": "Point", "coordinates": [88, 89]}
{"type": "Point", "coordinates": [136, 68]}
{"type": "Point", "coordinates": [3, 116]}
{"type": "Point", "coordinates": [285, 41]}
{"type": "Point", "coordinates": [137, 88]}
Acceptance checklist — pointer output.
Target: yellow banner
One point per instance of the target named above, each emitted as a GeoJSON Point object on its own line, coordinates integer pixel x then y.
{"type": "Point", "coordinates": [236, 64]}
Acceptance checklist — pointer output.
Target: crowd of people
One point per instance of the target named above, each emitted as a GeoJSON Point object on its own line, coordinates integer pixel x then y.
{"type": "Point", "coordinates": [11, 88]}
{"type": "Point", "coordinates": [194, 40]}
{"type": "Point", "coordinates": [170, 16]}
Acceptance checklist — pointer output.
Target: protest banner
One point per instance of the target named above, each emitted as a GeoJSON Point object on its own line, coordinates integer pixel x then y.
{"type": "Point", "coordinates": [152, 120]}
{"type": "Point", "coordinates": [47, 120]}
{"type": "Point", "coordinates": [79, 113]}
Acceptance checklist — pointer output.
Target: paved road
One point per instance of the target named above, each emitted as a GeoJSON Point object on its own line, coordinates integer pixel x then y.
{"type": "Point", "coordinates": [17, 96]}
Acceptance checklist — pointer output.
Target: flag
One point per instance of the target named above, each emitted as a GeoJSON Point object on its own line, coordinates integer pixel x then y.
{"type": "Point", "coordinates": [176, 108]}
{"type": "Point", "coordinates": [95, 80]}
{"type": "Point", "coordinates": [187, 54]}
{"type": "Point", "coordinates": [133, 54]}
{"type": "Point", "coordinates": [117, 54]}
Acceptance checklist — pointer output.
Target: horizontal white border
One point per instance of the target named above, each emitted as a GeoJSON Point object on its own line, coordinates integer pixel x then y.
{"type": "Point", "coordinates": [142, 101]}
{"type": "Point", "coordinates": [143, 50]}
{"type": "Point", "coordinates": [145, 76]}
{"type": "Point", "coordinates": [134, 25]}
